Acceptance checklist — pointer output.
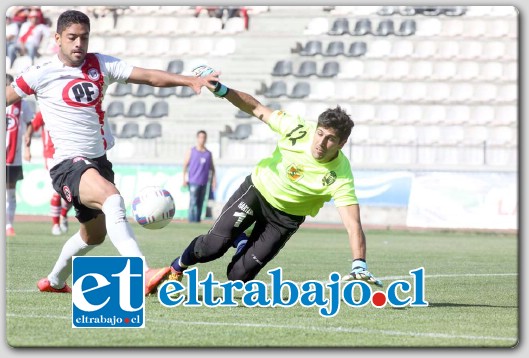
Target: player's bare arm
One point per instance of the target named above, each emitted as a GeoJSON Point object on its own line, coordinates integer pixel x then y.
{"type": "Point", "coordinates": [249, 104]}
{"type": "Point", "coordinates": [11, 96]}
{"type": "Point", "coordinates": [351, 219]}
{"type": "Point", "coordinates": [158, 78]}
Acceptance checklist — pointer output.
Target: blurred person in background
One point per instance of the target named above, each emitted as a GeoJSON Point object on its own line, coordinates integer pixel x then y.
{"type": "Point", "coordinates": [58, 206]}
{"type": "Point", "coordinates": [197, 169]}
{"type": "Point", "coordinates": [18, 119]}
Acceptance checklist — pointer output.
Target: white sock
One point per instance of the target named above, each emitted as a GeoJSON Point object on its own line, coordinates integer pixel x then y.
{"type": "Point", "coordinates": [11, 205]}
{"type": "Point", "coordinates": [118, 228]}
{"type": "Point", "coordinates": [75, 246]}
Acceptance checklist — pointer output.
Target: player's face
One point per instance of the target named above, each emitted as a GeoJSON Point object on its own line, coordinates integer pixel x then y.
{"type": "Point", "coordinates": [73, 44]}
{"type": "Point", "coordinates": [325, 144]}
{"type": "Point", "coordinates": [201, 139]}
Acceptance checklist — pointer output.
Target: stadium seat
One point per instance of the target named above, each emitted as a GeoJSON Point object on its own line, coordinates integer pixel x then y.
{"type": "Point", "coordinates": [380, 134]}
{"type": "Point", "coordinates": [201, 46]}
{"type": "Point", "coordinates": [306, 69]}
{"type": "Point", "coordinates": [356, 49]}
{"type": "Point", "coordinates": [385, 28]}
{"type": "Point", "coordinates": [491, 71]}
{"type": "Point", "coordinates": [185, 92]}
{"type": "Point", "coordinates": [426, 49]}
{"type": "Point", "coordinates": [501, 135]}
{"type": "Point", "coordinates": [164, 92]}
{"type": "Point", "coordinates": [402, 49]}
{"type": "Point", "coordinates": [387, 113]}
{"type": "Point", "coordinates": [144, 91]}
{"type": "Point", "coordinates": [276, 90]}
{"type": "Point", "coordinates": [330, 69]}
{"type": "Point", "coordinates": [485, 92]}
{"type": "Point", "coordinates": [444, 70]}
{"type": "Point", "coordinates": [448, 50]}
{"type": "Point", "coordinates": [433, 115]}
{"type": "Point", "coordinates": [407, 27]}
{"type": "Point", "coordinates": [320, 90]}
{"type": "Point", "coordinates": [276, 106]}
{"type": "Point", "coordinates": [458, 114]}
{"type": "Point", "coordinates": [339, 27]}
{"type": "Point", "coordinates": [405, 134]}
{"type": "Point", "coordinates": [242, 114]}
{"type": "Point", "coordinates": [282, 68]}
{"type": "Point", "coordinates": [398, 70]}
{"type": "Point", "coordinates": [242, 131]}
{"type": "Point", "coordinates": [113, 128]}
{"type": "Point", "coordinates": [467, 70]}
{"type": "Point", "coordinates": [122, 89]}
{"type": "Point", "coordinates": [300, 90]}
{"type": "Point", "coordinates": [506, 115]}
{"type": "Point", "coordinates": [130, 130]}
{"type": "Point", "coordinates": [470, 50]}
{"type": "Point", "coordinates": [158, 110]}
{"type": "Point", "coordinates": [507, 93]}
{"type": "Point", "coordinates": [136, 109]}
{"type": "Point", "coordinates": [379, 49]}
{"type": "Point", "coordinates": [209, 25]}
{"type": "Point", "coordinates": [351, 69]}
{"type": "Point", "coordinates": [474, 28]}
{"type": "Point", "coordinates": [346, 90]}
{"type": "Point", "coordinates": [234, 25]}
{"type": "Point", "coordinates": [411, 114]}
{"type": "Point", "coordinates": [334, 48]}
{"type": "Point", "coordinates": [455, 11]}
{"type": "Point", "coordinates": [180, 46]}
{"type": "Point", "coordinates": [415, 92]}
{"type": "Point", "coordinates": [175, 66]}
{"type": "Point", "coordinates": [482, 115]}
{"type": "Point", "coordinates": [461, 92]}
{"type": "Point", "coordinates": [368, 91]}
{"type": "Point", "coordinates": [311, 48]}
{"type": "Point", "coordinates": [297, 108]}
{"type": "Point", "coordinates": [493, 50]}
{"type": "Point", "coordinates": [317, 26]}
{"type": "Point", "coordinates": [152, 130]}
{"type": "Point", "coordinates": [224, 46]}
{"type": "Point", "coordinates": [115, 109]}
{"type": "Point", "coordinates": [362, 27]}
{"type": "Point", "coordinates": [391, 91]}
{"type": "Point", "coordinates": [387, 10]}
{"type": "Point", "coordinates": [475, 135]}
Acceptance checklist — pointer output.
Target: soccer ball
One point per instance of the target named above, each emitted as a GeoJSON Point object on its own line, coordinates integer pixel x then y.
{"type": "Point", "coordinates": [153, 207]}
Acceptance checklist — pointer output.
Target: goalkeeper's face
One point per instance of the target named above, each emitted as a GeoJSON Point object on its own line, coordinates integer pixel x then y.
{"type": "Point", "coordinates": [326, 144]}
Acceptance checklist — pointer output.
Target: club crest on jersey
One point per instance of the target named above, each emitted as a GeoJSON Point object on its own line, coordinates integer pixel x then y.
{"type": "Point", "coordinates": [295, 172]}
{"type": "Point", "coordinates": [81, 93]}
{"type": "Point", "coordinates": [11, 122]}
{"type": "Point", "coordinates": [329, 178]}
{"type": "Point", "coordinates": [67, 193]}
{"type": "Point", "coordinates": [93, 74]}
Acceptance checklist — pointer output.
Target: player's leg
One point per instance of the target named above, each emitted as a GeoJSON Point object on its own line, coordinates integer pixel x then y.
{"type": "Point", "coordinates": [268, 237]}
{"type": "Point", "coordinates": [63, 220]}
{"type": "Point", "coordinates": [193, 207]}
{"type": "Point", "coordinates": [55, 210]}
{"type": "Point", "coordinates": [13, 174]}
{"type": "Point", "coordinates": [97, 191]}
{"type": "Point", "coordinates": [90, 234]}
{"type": "Point", "coordinates": [236, 216]}
{"type": "Point", "coordinates": [201, 194]}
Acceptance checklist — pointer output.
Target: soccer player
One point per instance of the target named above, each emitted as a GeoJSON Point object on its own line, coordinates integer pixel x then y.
{"type": "Point", "coordinates": [18, 118]}
{"type": "Point", "coordinates": [58, 207]}
{"type": "Point", "coordinates": [70, 89]}
{"type": "Point", "coordinates": [306, 170]}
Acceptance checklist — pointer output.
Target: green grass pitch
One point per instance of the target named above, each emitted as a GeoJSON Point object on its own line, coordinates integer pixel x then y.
{"type": "Point", "coordinates": [471, 285]}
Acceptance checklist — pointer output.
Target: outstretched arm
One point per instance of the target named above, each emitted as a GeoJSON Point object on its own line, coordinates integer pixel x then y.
{"type": "Point", "coordinates": [158, 78]}
{"type": "Point", "coordinates": [357, 241]}
{"type": "Point", "coordinates": [249, 104]}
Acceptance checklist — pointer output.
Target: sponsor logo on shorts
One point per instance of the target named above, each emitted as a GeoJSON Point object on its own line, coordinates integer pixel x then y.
{"type": "Point", "coordinates": [67, 193]}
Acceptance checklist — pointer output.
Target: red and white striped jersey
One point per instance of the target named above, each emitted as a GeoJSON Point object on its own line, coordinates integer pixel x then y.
{"type": "Point", "coordinates": [70, 99]}
{"type": "Point", "coordinates": [18, 116]}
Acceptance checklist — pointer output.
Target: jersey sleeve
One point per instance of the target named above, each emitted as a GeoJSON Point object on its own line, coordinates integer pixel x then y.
{"type": "Point", "coordinates": [117, 70]}
{"type": "Point", "coordinates": [283, 123]}
{"type": "Point", "coordinates": [345, 195]}
{"type": "Point", "coordinates": [26, 83]}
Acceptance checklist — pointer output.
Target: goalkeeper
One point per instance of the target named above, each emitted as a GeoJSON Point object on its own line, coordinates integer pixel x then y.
{"type": "Point", "coordinates": [306, 170]}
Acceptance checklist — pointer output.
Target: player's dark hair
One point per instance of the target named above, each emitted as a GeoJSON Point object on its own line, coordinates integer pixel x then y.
{"type": "Point", "coordinates": [9, 79]}
{"type": "Point", "coordinates": [70, 17]}
{"type": "Point", "coordinates": [337, 119]}
{"type": "Point", "coordinates": [203, 132]}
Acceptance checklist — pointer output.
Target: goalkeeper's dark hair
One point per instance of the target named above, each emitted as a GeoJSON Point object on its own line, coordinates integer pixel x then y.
{"type": "Point", "coordinates": [9, 79]}
{"type": "Point", "coordinates": [337, 119]}
{"type": "Point", "coordinates": [70, 17]}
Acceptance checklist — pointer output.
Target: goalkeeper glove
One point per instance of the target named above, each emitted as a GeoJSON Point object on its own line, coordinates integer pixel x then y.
{"type": "Point", "coordinates": [202, 71]}
{"type": "Point", "coordinates": [359, 272]}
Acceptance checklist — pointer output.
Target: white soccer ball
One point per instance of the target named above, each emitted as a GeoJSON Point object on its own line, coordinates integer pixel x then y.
{"type": "Point", "coordinates": [153, 207]}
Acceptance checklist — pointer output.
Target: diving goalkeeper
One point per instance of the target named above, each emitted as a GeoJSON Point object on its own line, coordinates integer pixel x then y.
{"type": "Point", "coordinates": [306, 170]}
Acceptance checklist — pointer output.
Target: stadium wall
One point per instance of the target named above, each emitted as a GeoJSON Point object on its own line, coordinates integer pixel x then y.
{"type": "Point", "coordinates": [388, 198]}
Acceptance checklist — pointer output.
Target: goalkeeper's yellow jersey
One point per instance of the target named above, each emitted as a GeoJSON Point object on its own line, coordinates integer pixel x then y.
{"type": "Point", "coordinates": [292, 181]}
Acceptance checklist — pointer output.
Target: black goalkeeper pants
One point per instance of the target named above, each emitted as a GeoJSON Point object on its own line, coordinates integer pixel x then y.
{"type": "Point", "coordinates": [272, 229]}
